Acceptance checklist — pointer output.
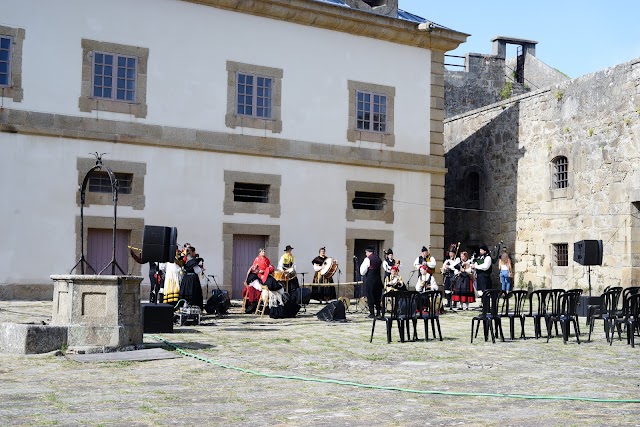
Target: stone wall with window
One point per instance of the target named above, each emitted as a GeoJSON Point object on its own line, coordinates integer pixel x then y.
{"type": "Point", "coordinates": [553, 177]}
{"type": "Point", "coordinates": [130, 175]}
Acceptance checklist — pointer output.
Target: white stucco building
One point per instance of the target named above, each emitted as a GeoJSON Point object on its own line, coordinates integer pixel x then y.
{"type": "Point", "coordinates": [327, 113]}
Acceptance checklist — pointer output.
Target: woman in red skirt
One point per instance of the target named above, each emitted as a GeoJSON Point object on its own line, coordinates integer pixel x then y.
{"type": "Point", "coordinates": [463, 292]}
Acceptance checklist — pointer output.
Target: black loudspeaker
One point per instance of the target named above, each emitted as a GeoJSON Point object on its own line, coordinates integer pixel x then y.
{"type": "Point", "coordinates": [159, 244]}
{"type": "Point", "coordinates": [588, 252]}
{"type": "Point", "coordinates": [157, 318]}
{"type": "Point", "coordinates": [333, 311]}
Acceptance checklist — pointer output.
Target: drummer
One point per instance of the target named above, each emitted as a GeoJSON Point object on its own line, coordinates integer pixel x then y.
{"type": "Point", "coordinates": [321, 293]}
{"type": "Point", "coordinates": [287, 264]}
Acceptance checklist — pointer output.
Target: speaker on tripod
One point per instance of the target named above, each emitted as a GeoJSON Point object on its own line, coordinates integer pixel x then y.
{"type": "Point", "coordinates": [588, 252]}
{"type": "Point", "coordinates": [159, 244]}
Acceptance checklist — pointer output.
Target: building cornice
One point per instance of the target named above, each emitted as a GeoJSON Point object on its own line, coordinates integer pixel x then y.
{"type": "Point", "coordinates": [346, 20]}
{"type": "Point", "coordinates": [88, 128]}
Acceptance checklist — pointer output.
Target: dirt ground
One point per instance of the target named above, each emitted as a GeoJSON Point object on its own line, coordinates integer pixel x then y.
{"type": "Point", "coordinates": [259, 371]}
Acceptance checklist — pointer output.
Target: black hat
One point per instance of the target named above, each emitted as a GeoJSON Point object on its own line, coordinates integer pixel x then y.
{"type": "Point", "coordinates": [321, 249]}
{"type": "Point", "coordinates": [370, 249]}
{"type": "Point", "coordinates": [424, 249]}
{"type": "Point", "coordinates": [484, 248]}
{"type": "Point", "coordinates": [452, 247]}
{"type": "Point", "coordinates": [288, 248]}
{"type": "Point", "coordinates": [389, 251]}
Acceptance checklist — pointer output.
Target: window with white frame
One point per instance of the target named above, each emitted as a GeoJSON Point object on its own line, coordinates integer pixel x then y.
{"type": "Point", "coordinates": [254, 95]}
{"type": "Point", "coordinates": [371, 112]}
{"type": "Point", "coordinates": [5, 61]}
{"type": "Point", "coordinates": [560, 172]}
{"type": "Point", "coordinates": [114, 77]}
{"type": "Point", "coordinates": [11, 42]}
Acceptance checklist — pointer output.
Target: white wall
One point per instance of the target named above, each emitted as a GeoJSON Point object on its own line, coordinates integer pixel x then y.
{"type": "Point", "coordinates": [189, 45]}
{"type": "Point", "coordinates": [185, 189]}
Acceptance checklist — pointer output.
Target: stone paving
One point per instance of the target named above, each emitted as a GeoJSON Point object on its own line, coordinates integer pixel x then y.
{"type": "Point", "coordinates": [50, 389]}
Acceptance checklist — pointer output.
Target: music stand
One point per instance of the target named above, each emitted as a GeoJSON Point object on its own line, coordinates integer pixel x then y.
{"type": "Point", "coordinates": [303, 306]}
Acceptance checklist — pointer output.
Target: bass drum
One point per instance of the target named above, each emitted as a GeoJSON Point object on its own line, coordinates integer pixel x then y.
{"type": "Point", "coordinates": [329, 268]}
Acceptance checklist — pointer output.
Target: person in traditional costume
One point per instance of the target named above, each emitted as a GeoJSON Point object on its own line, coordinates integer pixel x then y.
{"type": "Point", "coordinates": [426, 281]}
{"type": "Point", "coordinates": [253, 290]}
{"type": "Point", "coordinates": [190, 288]}
{"type": "Point", "coordinates": [264, 265]}
{"type": "Point", "coordinates": [394, 281]}
{"type": "Point", "coordinates": [172, 279]}
{"type": "Point", "coordinates": [370, 271]}
{"type": "Point", "coordinates": [321, 293]}
{"type": "Point", "coordinates": [463, 291]}
{"type": "Point", "coordinates": [482, 267]}
{"type": "Point", "coordinates": [449, 271]}
{"type": "Point", "coordinates": [425, 259]}
{"type": "Point", "coordinates": [388, 262]}
{"type": "Point", "coordinates": [287, 264]}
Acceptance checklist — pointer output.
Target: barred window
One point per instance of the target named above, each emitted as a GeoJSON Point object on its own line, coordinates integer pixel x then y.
{"type": "Point", "coordinates": [368, 201]}
{"type": "Point", "coordinates": [560, 172]}
{"type": "Point", "coordinates": [99, 182]}
{"type": "Point", "coordinates": [561, 254]}
{"type": "Point", "coordinates": [253, 193]}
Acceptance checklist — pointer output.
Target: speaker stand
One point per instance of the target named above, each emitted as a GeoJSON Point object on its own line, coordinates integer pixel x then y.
{"type": "Point", "coordinates": [589, 275]}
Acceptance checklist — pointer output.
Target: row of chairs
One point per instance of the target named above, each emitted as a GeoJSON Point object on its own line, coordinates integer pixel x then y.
{"type": "Point", "coordinates": [618, 307]}
{"type": "Point", "coordinates": [553, 306]}
{"type": "Point", "coordinates": [406, 308]}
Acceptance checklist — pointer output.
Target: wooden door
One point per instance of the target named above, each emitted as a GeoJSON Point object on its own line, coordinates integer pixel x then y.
{"type": "Point", "coordinates": [99, 247]}
{"type": "Point", "coordinates": [245, 250]}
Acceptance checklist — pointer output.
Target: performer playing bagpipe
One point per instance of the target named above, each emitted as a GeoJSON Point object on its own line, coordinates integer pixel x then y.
{"type": "Point", "coordinates": [448, 270]}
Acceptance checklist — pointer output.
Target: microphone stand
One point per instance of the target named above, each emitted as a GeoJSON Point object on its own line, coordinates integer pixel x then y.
{"type": "Point", "coordinates": [300, 300]}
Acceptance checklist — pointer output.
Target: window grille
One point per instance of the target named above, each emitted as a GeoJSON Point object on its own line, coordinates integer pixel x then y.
{"type": "Point", "coordinates": [561, 254]}
{"type": "Point", "coordinates": [253, 193]}
{"type": "Point", "coordinates": [369, 201]}
{"type": "Point", "coordinates": [99, 182]}
{"type": "Point", "coordinates": [560, 172]}
{"type": "Point", "coordinates": [473, 187]}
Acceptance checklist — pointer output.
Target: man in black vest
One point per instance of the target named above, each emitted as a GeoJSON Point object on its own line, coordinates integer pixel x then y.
{"type": "Point", "coordinates": [370, 271]}
{"type": "Point", "coordinates": [482, 265]}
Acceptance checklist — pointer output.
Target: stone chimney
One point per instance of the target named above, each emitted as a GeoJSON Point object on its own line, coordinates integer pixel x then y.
{"type": "Point", "coordinates": [379, 7]}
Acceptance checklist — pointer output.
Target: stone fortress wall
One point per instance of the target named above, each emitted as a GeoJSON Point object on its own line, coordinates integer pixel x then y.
{"type": "Point", "coordinates": [594, 121]}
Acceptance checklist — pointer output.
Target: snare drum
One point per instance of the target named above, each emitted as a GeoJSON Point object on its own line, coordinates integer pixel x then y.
{"type": "Point", "coordinates": [329, 268]}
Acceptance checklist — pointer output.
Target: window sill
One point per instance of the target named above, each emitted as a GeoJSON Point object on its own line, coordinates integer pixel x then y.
{"type": "Point", "coordinates": [233, 121]}
{"type": "Point", "coordinates": [354, 135]}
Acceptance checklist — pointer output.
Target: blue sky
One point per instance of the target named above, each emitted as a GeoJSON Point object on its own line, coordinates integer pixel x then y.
{"type": "Point", "coordinates": [576, 37]}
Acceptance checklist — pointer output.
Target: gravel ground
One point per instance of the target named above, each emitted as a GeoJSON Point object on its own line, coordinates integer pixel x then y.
{"type": "Point", "coordinates": [51, 389]}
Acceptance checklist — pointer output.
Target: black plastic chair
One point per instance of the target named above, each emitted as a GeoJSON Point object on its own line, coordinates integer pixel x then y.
{"type": "Point", "coordinates": [429, 304]}
{"type": "Point", "coordinates": [513, 308]}
{"type": "Point", "coordinates": [538, 301]}
{"type": "Point", "coordinates": [567, 313]}
{"type": "Point", "coordinates": [399, 306]}
{"type": "Point", "coordinates": [489, 317]}
{"type": "Point", "coordinates": [606, 311]}
{"type": "Point", "coordinates": [629, 320]}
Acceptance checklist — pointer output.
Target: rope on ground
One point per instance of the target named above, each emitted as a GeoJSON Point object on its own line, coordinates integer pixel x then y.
{"type": "Point", "coordinates": [379, 387]}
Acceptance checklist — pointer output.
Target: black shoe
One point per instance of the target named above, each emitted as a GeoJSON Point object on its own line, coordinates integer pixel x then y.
{"type": "Point", "coordinates": [371, 316]}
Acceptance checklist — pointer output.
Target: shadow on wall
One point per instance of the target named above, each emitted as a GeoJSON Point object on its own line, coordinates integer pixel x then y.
{"type": "Point", "coordinates": [481, 182]}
